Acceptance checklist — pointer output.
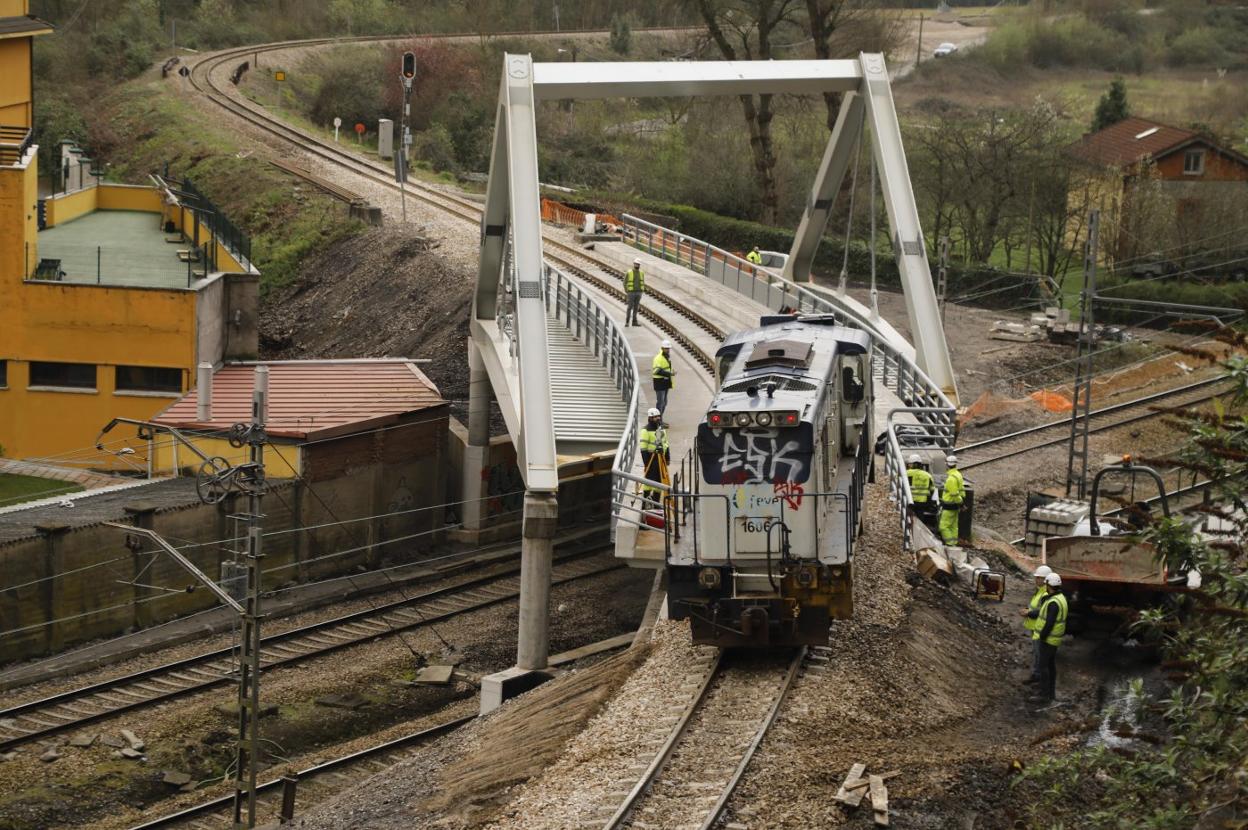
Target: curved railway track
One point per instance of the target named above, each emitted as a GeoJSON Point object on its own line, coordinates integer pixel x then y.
{"type": "Point", "coordinates": [694, 771]}
{"type": "Point", "coordinates": [567, 256]}
{"type": "Point", "coordinates": [1018, 443]}
{"type": "Point", "coordinates": [76, 708]}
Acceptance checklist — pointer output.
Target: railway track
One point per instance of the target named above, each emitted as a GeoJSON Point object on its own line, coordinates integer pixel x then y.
{"type": "Point", "coordinates": [315, 783]}
{"type": "Point", "coordinates": [1130, 412]}
{"type": "Point", "coordinates": [74, 709]}
{"type": "Point", "coordinates": [703, 742]}
{"type": "Point", "coordinates": [556, 250]}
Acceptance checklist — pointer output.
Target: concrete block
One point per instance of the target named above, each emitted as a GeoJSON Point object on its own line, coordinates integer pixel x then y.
{"type": "Point", "coordinates": [502, 686]}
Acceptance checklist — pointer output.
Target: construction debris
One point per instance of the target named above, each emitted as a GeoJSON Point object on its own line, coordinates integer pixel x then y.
{"type": "Point", "coordinates": [879, 801]}
{"type": "Point", "coordinates": [136, 743]}
{"type": "Point", "coordinates": [50, 755]}
{"type": "Point", "coordinates": [83, 739]}
{"type": "Point", "coordinates": [131, 753]}
{"type": "Point", "coordinates": [1018, 332]}
{"type": "Point", "coordinates": [177, 779]}
{"type": "Point", "coordinates": [112, 741]}
{"type": "Point", "coordinates": [856, 786]}
{"type": "Point", "coordinates": [435, 675]}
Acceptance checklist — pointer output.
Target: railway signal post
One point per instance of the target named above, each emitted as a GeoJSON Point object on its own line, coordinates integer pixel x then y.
{"type": "Point", "coordinates": [407, 74]}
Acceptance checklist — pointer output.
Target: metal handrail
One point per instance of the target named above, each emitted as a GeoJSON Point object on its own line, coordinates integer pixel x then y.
{"type": "Point", "coordinates": [572, 306]}
{"type": "Point", "coordinates": [899, 373]}
{"type": "Point", "coordinates": [895, 465]}
{"type": "Point", "coordinates": [890, 366]}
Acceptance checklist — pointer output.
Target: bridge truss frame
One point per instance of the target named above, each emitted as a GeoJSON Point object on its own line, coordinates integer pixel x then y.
{"type": "Point", "coordinates": [508, 323]}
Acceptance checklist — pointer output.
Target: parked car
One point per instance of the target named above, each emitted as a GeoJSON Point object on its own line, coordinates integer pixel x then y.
{"type": "Point", "coordinates": [945, 49]}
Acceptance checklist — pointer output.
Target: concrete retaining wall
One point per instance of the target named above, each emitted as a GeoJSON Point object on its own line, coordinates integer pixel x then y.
{"type": "Point", "coordinates": [93, 596]}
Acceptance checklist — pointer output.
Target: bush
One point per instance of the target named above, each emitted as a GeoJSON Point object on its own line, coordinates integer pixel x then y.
{"type": "Point", "coordinates": [1070, 41]}
{"type": "Point", "coordinates": [435, 146]}
{"type": "Point", "coordinates": [621, 34]}
{"type": "Point", "coordinates": [1226, 295]}
{"type": "Point", "coordinates": [348, 88]}
{"type": "Point", "coordinates": [1195, 47]}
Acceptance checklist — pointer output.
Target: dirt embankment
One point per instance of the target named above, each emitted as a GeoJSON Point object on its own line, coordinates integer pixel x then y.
{"type": "Point", "coordinates": [383, 293]}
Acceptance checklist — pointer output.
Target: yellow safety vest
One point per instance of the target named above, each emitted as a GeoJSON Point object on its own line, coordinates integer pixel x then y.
{"type": "Point", "coordinates": [653, 440]}
{"type": "Point", "coordinates": [920, 484]}
{"type": "Point", "coordinates": [634, 280]}
{"type": "Point", "coordinates": [1037, 599]}
{"type": "Point", "coordinates": [955, 488]}
{"type": "Point", "coordinates": [755, 257]}
{"type": "Point", "coordinates": [1059, 627]}
{"type": "Point", "coordinates": [661, 369]}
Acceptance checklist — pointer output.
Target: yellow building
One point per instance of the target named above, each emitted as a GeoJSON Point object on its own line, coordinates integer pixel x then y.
{"type": "Point", "coordinates": [105, 311]}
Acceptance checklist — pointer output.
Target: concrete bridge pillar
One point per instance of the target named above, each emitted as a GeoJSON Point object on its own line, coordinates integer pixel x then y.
{"type": "Point", "coordinates": [475, 453]}
{"type": "Point", "coordinates": [541, 517]}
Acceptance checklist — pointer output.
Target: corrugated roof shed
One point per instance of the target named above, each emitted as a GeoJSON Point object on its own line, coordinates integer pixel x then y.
{"type": "Point", "coordinates": [311, 398]}
{"type": "Point", "coordinates": [1129, 141]}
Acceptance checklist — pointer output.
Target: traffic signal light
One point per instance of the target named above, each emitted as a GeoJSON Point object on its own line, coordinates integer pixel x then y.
{"type": "Point", "coordinates": [409, 65]}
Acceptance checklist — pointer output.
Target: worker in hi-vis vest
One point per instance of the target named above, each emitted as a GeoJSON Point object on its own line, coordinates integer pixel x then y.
{"type": "Point", "coordinates": [754, 256]}
{"type": "Point", "coordinates": [655, 455]}
{"type": "Point", "coordinates": [1031, 620]}
{"type": "Point", "coordinates": [663, 376]}
{"type": "Point", "coordinates": [1052, 627]}
{"type": "Point", "coordinates": [951, 501]}
{"type": "Point", "coordinates": [634, 287]}
{"type": "Point", "coordinates": [922, 489]}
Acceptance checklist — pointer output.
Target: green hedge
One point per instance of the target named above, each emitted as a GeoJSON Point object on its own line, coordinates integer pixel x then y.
{"type": "Point", "coordinates": [1224, 295]}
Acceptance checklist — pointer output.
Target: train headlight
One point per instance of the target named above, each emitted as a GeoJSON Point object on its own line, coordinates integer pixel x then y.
{"type": "Point", "coordinates": [742, 419]}
{"type": "Point", "coordinates": [763, 419]}
{"type": "Point", "coordinates": [806, 576]}
{"type": "Point", "coordinates": [708, 578]}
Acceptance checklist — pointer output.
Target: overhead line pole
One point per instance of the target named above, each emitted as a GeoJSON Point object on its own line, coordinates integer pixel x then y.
{"type": "Point", "coordinates": [247, 756]}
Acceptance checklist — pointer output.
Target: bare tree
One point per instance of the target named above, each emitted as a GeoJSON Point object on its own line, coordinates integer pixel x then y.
{"type": "Point", "coordinates": [743, 30]}
{"type": "Point", "coordinates": [841, 28]}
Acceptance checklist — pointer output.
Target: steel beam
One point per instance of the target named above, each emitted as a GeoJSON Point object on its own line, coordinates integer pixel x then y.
{"type": "Point", "coordinates": [648, 79]}
{"type": "Point", "coordinates": [836, 160]}
{"type": "Point", "coordinates": [909, 248]}
{"type": "Point", "coordinates": [513, 212]}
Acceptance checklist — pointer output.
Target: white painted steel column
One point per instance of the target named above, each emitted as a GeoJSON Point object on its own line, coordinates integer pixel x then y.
{"type": "Point", "coordinates": [836, 159]}
{"type": "Point", "coordinates": [472, 489]}
{"type": "Point", "coordinates": [541, 517]}
{"type": "Point", "coordinates": [909, 248]}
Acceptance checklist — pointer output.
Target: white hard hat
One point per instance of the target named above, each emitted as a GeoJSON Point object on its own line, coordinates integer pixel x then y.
{"type": "Point", "coordinates": [914, 458]}
{"type": "Point", "coordinates": [636, 261]}
{"type": "Point", "coordinates": [666, 344]}
{"type": "Point", "coordinates": [951, 460]}
{"type": "Point", "coordinates": [1042, 571]}
{"type": "Point", "coordinates": [1053, 579]}
{"type": "Point", "coordinates": [653, 413]}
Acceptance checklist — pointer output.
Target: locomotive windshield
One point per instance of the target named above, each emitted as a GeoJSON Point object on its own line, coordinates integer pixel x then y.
{"type": "Point", "coordinates": [756, 455]}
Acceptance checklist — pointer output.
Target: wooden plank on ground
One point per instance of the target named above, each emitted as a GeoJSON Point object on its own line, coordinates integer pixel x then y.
{"type": "Point", "coordinates": [867, 781]}
{"type": "Point", "coordinates": [879, 800]}
{"type": "Point", "coordinates": [846, 795]}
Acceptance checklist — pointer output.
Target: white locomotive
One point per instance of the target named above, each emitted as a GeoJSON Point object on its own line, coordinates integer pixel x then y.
{"type": "Point", "coordinates": [760, 547]}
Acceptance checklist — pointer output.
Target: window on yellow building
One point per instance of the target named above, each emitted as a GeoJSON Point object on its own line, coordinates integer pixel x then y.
{"type": "Point", "coordinates": [67, 375]}
{"type": "Point", "coordinates": [4, 373]}
{"type": "Point", "coordinates": [148, 379]}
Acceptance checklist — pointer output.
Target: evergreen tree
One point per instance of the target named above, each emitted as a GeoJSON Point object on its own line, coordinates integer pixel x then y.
{"type": "Point", "coordinates": [621, 34]}
{"type": "Point", "coordinates": [1112, 107]}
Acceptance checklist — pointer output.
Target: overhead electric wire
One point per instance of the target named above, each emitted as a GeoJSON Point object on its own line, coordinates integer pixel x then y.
{"type": "Point", "coordinates": [144, 600]}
